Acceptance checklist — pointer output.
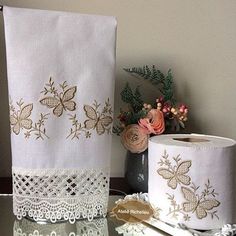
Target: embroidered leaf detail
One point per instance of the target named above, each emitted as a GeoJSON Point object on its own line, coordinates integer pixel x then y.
{"type": "Point", "coordinates": [77, 128]}
{"type": "Point", "coordinates": [200, 206]}
{"type": "Point", "coordinates": [197, 203]}
{"type": "Point", "coordinates": [97, 121]}
{"type": "Point", "coordinates": [38, 129]}
{"type": "Point", "coordinates": [167, 174]}
{"type": "Point", "coordinates": [178, 176]}
{"type": "Point", "coordinates": [60, 102]}
{"type": "Point", "coordinates": [20, 119]}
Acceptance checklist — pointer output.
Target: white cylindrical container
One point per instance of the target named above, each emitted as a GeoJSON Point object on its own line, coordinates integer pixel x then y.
{"type": "Point", "coordinates": [192, 179]}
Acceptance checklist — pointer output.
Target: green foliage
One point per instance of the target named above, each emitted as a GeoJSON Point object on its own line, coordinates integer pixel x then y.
{"type": "Point", "coordinates": [117, 130]}
{"type": "Point", "coordinates": [157, 78]}
{"type": "Point", "coordinates": [136, 109]}
{"type": "Point", "coordinates": [132, 98]}
{"type": "Point", "coordinates": [134, 117]}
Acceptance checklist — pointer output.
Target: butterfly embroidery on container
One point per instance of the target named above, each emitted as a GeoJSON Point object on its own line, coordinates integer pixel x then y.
{"type": "Point", "coordinates": [200, 205]}
{"type": "Point", "coordinates": [61, 101]}
{"type": "Point", "coordinates": [101, 121]}
{"type": "Point", "coordinates": [195, 202]}
{"type": "Point", "coordinates": [175, 174]}
{"type": "Point", "coordinates": [20, 119]}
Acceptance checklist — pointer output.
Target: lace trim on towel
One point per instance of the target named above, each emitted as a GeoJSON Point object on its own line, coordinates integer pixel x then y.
{"type": "Point", "coordinates": [56, 194]}
{"type": "Point", "coordinates": [96, 227]}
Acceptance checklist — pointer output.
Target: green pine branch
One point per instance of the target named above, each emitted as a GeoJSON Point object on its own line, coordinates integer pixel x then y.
{"type": "Point", "coordinates": [157, 78]}
{"type": "Point", "coordinates": [117, 130]}
{"type": "Point", "coordinates": [132, 98]}
{"type": "Point", "coordinates": [135, 117]}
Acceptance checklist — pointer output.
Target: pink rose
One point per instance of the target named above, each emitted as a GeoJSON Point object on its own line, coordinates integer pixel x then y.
{"type": "Point", "coordinates": [134, 138]}
{"type": "Point", "coordinates": [154, 123]}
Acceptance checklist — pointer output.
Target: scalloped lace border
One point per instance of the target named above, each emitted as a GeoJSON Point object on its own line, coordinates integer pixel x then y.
{"type": "Point", "coordinates": [86, 228]}
{"type": "Point", "coordinates": [65, 194]}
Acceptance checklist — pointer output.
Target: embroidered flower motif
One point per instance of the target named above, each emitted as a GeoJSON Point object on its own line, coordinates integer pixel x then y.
{"type": "Point", "coordinates": [20, 119]}
{"type": "Point", "coordinates": [101, 121]}
{"type": "Point", "coordinates": [194, 202]}
{"type": "Point", "coordinates": [187, 217]}
{"type": "Point", "coordinates": [175, 174]}
{"type": "Point", "coordinates": [59, 101]}
{"type": "Point", "coordinates": [199, 205]}
{"type": "Point", "coordinates": [98, 119]}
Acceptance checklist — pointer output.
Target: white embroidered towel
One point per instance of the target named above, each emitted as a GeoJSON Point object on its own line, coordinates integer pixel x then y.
{"type": "Point", "coordinates": [61, 87]}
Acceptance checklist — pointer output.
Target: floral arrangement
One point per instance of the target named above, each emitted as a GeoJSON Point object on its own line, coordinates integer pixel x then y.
{"type": "Point", "coordinates": [140, 120]}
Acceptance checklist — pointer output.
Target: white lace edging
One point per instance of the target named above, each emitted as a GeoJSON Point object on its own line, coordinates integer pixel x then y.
{"type": "Point", "coordinates": [227, 230]}
{"type": "Point", "coordinates": [86, 228]}
{"type": "Point", "coordinates": [66, 194]}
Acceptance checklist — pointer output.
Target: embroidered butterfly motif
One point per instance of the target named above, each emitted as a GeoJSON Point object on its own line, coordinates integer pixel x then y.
{"type": "Point", "coordinates": [96, 120]}
{"type": "Point", "coordinates": [61, 102]}
{"type": "Point", "coordinates": [194, 204]}
{"type": "Point", "coordinates": [21, 119]}
{"type": "Point", "coordinates": [176, 176]}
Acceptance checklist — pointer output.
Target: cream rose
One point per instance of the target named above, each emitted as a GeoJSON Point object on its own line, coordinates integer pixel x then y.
{"type": "Point", "coordinates": [134, 138]}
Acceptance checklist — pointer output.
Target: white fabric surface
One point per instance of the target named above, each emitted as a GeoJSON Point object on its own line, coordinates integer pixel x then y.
{"type": "Point", "coordinates": [179, 173]}
{"type": "Point", "coordinates": [76, 48]}
{"type": "Point", "coordinates": [61, 87]}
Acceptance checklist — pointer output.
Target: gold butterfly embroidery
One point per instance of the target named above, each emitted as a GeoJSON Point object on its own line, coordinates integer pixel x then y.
{"type": "Point", "coordinates": [21, 119]}
{"type": "Point", "coordinates": [61, 102]}
{"type": "Point", "coordinates": [100, 122]}
{"type": "Point", "coordinates": [178, 176]}
{"type": "Point", "coordinates": [194, 204]}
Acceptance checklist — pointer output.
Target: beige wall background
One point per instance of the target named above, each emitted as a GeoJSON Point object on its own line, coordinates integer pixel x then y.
{"type": "Point", "coordinates": [196, 39]}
